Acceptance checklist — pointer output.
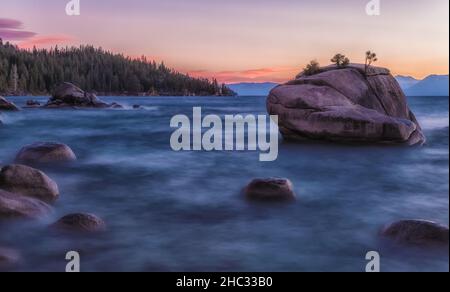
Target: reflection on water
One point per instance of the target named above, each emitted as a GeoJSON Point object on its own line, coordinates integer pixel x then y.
{"type": "Point", "coordinates": [182, 211]}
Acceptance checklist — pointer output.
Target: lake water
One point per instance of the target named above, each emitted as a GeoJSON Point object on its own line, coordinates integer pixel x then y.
{"type": "Point", "coordinates": [183, 211]}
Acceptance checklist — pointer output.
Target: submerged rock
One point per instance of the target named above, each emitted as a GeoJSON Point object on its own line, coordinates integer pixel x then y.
{"type": "Point", "coordinates": [115, 105]}
{"type": "Point", "coordinates": [271, 189]}
{"type": "Point", "coordinates": [45, 152]}
{"type": "Point", "coordinates": [17, 206]}
{"type": "Point", "coordinates": [68, 95]}
{"type": "Point", "coordinates": [80, 222]}
{"type": "Point", "coordinates": [32, 104]}
{"type": "Point", "coordinates": [417, 232]}
{"type": "Point", "coordinates": [29, 182]}
{"type": "Point", "coordinates": [345, 105]}
{"type": "Point", "coordinates": [8, 257]}
{"type": "Point", "coordinates": [5, 105]}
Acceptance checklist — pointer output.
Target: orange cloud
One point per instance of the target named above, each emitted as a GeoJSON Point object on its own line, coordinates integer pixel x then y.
{"type": "Point", "coordinates": [45, 41]}
{"type": "Point", "coordinates": [276, 74]}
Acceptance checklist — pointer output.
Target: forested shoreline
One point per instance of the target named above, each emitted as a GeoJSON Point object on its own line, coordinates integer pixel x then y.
{"type": "Point", "coordinates": [39, 71]}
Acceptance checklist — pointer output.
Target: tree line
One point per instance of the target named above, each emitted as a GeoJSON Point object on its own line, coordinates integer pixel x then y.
{"type": "Point", "coordinates": [39, 71]}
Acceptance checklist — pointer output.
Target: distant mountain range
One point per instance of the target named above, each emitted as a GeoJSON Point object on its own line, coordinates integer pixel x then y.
{"type": "Point", "coordinates": [433, 85]}
{"type": "Point", "coordinates": [252, 89]}
{"type": "Point", "coordinates": [406, 81]}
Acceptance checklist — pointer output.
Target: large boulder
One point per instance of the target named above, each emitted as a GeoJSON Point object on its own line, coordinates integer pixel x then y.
{"type": "Point", "coordinates": [68, 95]}
{"type": "Point", "coordinates": [30, 182]}
{"type": "Point", "coordinates": [17, 206]}
{"type": "Point", "coordinates": [345, 105]}
{"type": "Point", "coordinates": [270, 190]}
{"type": "Point", "coordinates": [417, 232]}
{"type": "Point", "coordinates": [44, 153]}
{"type": "Point", "coordinates": [80, 222]}
{"type": "Point", "coordinates": [6, 105]}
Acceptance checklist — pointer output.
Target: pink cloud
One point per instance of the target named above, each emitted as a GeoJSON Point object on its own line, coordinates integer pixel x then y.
{"type": "Point", "coordinates": [11, 30]}
{"type": "Point", "coordinates": [10, 23]}
{"type": "Point", "coordinates": [45, 41]}
{"type": "Point", "coordinates": [276, 74]}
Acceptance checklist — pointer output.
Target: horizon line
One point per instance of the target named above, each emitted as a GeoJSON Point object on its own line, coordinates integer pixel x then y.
{"type": "Point", "coordinates": [207, 74]}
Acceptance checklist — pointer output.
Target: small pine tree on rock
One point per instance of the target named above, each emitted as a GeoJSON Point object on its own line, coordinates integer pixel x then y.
{"type": "Point", "coordinates": [340, 60]}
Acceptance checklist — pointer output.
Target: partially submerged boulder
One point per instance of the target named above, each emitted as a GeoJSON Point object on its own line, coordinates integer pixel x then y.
{"type": "Point", "coordinates": [270, 190]}
{"type": "Point", "coordinates": [115, 105]}
{"type": "Point", "coordinates": [5, 105]}
{"type": "Point", "coordinates": [80, 222]}
{"type": "Point", "coordinates": [44, 153]}
{"type": "Point", "coordinates": [68, 95]}
{"type": "Point", "coordinates": [417, 232]}
{"type": "Point", "coordinates": [29, 182]}
{"type": "Point", "coordinates": [17, 206]}
{"type": "Point", "coordinates": [345, 105]}
{"type": "Point", "coordinates": [8, 257]}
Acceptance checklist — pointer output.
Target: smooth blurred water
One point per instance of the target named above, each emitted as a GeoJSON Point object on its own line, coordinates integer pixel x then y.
{"type": "Point", "coordinates": [182, 211]}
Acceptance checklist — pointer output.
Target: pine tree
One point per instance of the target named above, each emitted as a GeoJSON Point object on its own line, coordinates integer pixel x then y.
{"type": "Point", "coordinates": [13, 79]}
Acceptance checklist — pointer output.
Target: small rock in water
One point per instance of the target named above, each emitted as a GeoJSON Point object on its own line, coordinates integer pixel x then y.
{"type": "Point", "coordinates": [29, 182]}
{"type": "Point", "coordinates": [269, 190]}
{"type": "Point", "coordinates": [5, 105]}
{"type": "Point", "coordinates": [417, 232]}
{"type": "Point", "coordinates": [8, 257]}
{"type": "Point", "coordinates": [45, 152]}
{"type": "Point", "coordinates": [16, 206]}
{"type": "Point", "coordinates": [136, 106]}
{"type": "Point", "coordinates": [68, 95]}
{"type": "Point", "coordinates": [115, 105]}
{"type": "Point", "coordinates": [80, 223]}
{"type": "Point", "coordinates": [32, 104]}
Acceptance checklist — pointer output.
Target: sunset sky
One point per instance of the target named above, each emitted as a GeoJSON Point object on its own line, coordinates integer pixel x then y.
{"type": "Point", "coordinates": [242, 40]}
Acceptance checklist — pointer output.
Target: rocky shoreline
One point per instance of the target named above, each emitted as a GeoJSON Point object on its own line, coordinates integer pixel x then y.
{"type": "Point", "coordinates": [28, 193]}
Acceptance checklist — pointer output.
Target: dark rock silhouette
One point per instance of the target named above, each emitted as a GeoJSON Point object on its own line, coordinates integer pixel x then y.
{"type": "Point", "coordinates": [32, 104]}
{"type": "Point", "coordinates": [268, 190]}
